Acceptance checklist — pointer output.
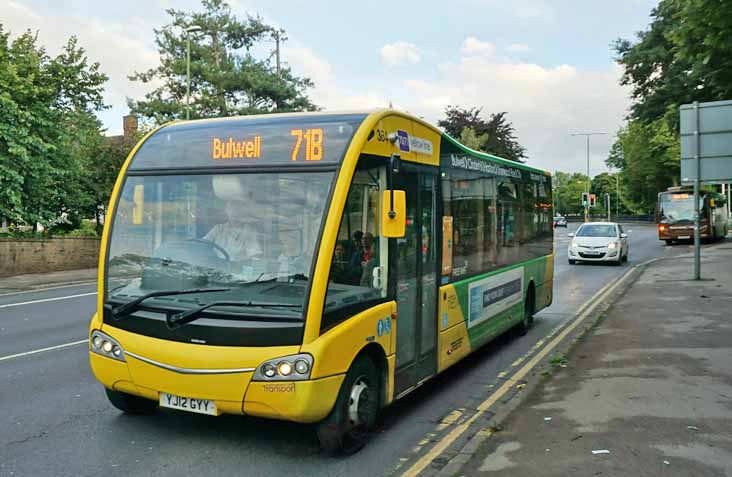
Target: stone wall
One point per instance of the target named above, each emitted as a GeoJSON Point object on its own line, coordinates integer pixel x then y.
{"type": "Point", "coordinates": [18, 257]}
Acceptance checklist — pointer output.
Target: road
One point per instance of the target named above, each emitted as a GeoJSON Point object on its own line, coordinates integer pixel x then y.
{"type": "Point", "coordinates": [55, 418]}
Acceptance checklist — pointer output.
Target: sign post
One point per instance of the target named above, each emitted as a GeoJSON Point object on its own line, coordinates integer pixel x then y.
{"type": "Point", "coordinates": [706, 155]}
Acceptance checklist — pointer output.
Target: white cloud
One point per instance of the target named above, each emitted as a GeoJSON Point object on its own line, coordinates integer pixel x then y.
{"type": "Point", "coordinates": [328, 93]}
{"type": "Point", "coordinates": [400, 53]}
{"type": "Point", "coordinates": [473, 46]}
{"type": "Point", "coordinates": [306, 63]}
{"type": "Point", "coordinates": [544, 103]}
{"type": "Point", "coordinates": [518, 47]}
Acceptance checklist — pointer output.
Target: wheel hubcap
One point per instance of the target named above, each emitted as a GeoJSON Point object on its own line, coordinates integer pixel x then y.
{"type": "Point", "coordinates": [358, 402]}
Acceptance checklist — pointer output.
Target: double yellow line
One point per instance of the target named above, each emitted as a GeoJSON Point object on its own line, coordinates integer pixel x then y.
{"type": "Point", "coordinates": [588, 307]}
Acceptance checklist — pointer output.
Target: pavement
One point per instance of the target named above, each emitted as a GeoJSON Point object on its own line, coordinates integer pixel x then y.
{"type": "Point", "coordinates": [33, 281]}
{"type": "Point", "coordinates": [647, 391]}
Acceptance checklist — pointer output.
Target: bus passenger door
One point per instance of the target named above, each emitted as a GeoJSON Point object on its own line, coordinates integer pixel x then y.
{"type": "Point", "coordinates": [416, 287]}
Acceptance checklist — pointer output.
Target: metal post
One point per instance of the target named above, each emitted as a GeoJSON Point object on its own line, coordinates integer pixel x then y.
{"type": "Point", "coordinates": [587, 135]}
{"type": "Point", "coordinates": [587, 207]}
{"type": "Point", "coordinates": [189, 30]}
{"type": "Point", "coordinates": [617, 195]}
{"type": "Point", "coordinates": [188, 76]}
{"type": "Point", "coordinates": [607, 201]}
{"type": "Point", "coordinates": [697, 184]}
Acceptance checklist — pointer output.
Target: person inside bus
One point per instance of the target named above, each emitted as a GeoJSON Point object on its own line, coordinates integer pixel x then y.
{"type": "Point", "coordinates": [369, 260]}
{"type": "Point", "coordinates": [292, 262]}
{"type": "Point", "coordinates": [356, 248]}
{"type": "Point", "coordinates": [239, 238]}
{"type": "Point", "coordinates": [341, 270]}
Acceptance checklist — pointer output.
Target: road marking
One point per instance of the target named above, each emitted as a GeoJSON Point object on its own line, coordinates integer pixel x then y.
{"type": "Point", "coordinates": [452, 436]}
{"type": "Point", "coordinates": [39, 290]}
{"type": "Point", "coordinates": [36, 351]}
{"type": "Point", "coordinates": [48, 299]}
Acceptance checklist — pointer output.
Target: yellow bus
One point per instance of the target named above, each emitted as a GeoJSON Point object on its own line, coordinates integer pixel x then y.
{"type": "Point", "coordinates": [311, 267]}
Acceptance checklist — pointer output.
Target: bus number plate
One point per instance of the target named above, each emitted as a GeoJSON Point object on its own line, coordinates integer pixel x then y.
{"type": "Point", "coordinates": [201, 406]}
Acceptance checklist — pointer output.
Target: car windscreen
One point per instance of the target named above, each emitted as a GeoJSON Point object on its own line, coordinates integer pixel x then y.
{"type": "Point", "coordinates": [252, 233]}
{"type": "Point", "coordinates": [597, 230]}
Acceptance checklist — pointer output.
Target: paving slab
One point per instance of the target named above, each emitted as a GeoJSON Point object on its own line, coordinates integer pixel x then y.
{"type": "Point", "coordinates": [647, 392]}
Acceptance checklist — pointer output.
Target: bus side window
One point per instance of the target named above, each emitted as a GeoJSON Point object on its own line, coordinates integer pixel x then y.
{"type": "Point", "coordinates": [360, 256]}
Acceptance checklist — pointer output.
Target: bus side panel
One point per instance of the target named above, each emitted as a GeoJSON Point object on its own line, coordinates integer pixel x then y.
{"type": "Point", "coordinates": [334, 351]}
{"type": "Point", "coordinates": [540, 272]}
{"type": "Point", "coordinates": [492, 303]}
{"type": "Point", "coordinates": [497, 304]}
{"type": "Point", "coordinates": [453, 340]}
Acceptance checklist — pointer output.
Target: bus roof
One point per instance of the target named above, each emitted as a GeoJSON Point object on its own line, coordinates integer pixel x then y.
{"type": "Point", "coordinates": [270, 140]}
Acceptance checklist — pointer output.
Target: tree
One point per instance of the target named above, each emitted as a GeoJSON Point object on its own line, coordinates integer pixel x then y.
{"type": "Point", "coordinates": [226, 78]}
{"type": "Point", "coordinates": [649, 154]}
{"type": "Point", "coordinates": [685, 55]}
{"type": "Point", "coordinates": [494, 136]}
{"type": "Point", "coordinates": [568, 189]}
{"type": "Point", "coordinates": [607, 183]}
{"type": "Point", "coordinates": [46, 120]}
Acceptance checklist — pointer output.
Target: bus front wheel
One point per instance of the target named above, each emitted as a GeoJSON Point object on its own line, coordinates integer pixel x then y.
{"type": "Point", "coordinates": [348, 426]}
{"type": "Point", "coordinates": [129, 403]}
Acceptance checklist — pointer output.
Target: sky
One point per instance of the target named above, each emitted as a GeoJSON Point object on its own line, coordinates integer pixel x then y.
{"type": "Point", "coordinates": [548, 63]}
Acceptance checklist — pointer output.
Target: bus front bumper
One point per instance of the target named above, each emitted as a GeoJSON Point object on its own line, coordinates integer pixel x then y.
{"type": "Point", "coordinates": [304, 401]}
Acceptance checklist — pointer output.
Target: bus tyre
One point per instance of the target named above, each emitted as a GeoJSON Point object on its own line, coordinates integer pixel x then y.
{"type": "Point", "coordinates": [129, 403]}
{"type": "Point", "coordinates": [348, 426]}
{"type": "Point", "coordinates": [528, 319]}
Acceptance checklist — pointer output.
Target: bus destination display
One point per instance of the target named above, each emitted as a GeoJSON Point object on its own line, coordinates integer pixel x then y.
{"type": "Point", "coordinates": [245, 143]}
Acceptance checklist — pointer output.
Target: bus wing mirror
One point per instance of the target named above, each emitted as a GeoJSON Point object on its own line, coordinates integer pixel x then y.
{"type": "Point", "coordinates": [393, 213]}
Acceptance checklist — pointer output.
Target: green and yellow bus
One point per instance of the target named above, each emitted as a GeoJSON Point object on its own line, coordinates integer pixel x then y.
{"type": "Point", "coordinates": [311, 267]}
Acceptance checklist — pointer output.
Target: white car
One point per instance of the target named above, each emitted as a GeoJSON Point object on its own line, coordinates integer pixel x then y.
{"type": "Point", "coordinates": [598, 242]}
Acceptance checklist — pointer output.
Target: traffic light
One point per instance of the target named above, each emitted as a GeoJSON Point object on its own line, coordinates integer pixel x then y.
{"type": "Point", "coordinates": [592, 200]}
{"type": "Point", "coordinates": [585, 199]}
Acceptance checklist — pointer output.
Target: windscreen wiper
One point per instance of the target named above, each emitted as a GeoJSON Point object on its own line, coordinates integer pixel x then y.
{"type": "Point", "coordinates": [131, 306]}
{"type": "Point", "coordinates": [180, 319]}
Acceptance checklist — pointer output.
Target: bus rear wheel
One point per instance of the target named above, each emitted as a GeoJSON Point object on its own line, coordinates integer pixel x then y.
{"type": "Point", "coordinates": [129, 403]}
{"type": "Point", "coordinates": [528, 318]}
{"type": "Point", "coordinates": [348, 426]}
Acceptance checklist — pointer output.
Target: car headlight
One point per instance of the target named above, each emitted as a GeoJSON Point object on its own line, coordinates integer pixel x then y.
{"type": "Point", "coordinates": [574, 245]}
{"type": "Point", "coordinates": [105, 345]}
{"type": "Point", "coordinates": [288, 368]}
{"type": "Point", "coordinates": [611, 245]}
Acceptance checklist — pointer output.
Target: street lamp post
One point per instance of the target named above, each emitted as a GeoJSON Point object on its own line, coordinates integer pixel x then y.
{"type": "Point", "coordinates": [189, 30]}
{"type": "Point", "coordinates": [617, 195]}
{"type": "Point", "coordinates": [587, 135]}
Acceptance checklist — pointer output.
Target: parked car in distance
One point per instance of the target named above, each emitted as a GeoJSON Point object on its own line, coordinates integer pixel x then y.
{"type": "Point", "coordinates": [560, 221]}
{"type": "Point", "coordinates": [598, 242]}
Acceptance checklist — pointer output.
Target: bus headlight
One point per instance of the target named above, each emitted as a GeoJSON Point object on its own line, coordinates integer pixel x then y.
{"type": "Point", "coordinates": [288, 368]}
{"type": "Point", "coordinates": [105, 345]}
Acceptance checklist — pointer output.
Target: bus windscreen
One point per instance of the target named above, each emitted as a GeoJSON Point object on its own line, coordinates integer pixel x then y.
{"type": "Point", "coordinates": [246, 142]}
{"type": "Point", "coordinates": [676, 207]}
